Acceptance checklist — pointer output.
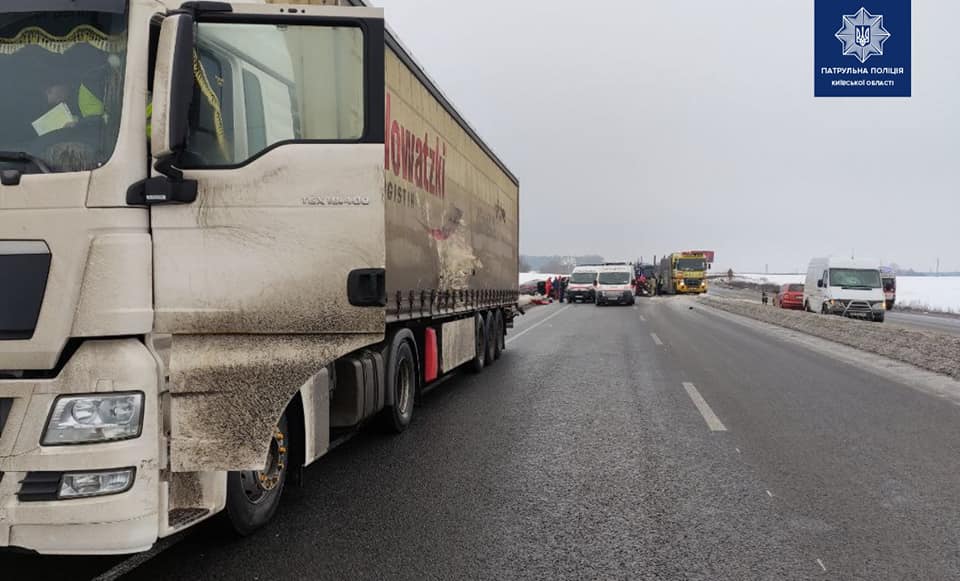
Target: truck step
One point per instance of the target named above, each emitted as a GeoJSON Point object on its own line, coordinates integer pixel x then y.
{"type": "Point", "coordinates": [181, 517]}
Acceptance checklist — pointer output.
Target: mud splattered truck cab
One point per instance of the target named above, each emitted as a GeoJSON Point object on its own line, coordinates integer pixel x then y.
{"type": "Point", "coordinates": [310, 235]}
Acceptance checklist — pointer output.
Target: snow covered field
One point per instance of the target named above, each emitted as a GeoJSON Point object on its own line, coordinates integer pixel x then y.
{"type": "Point", "coordinates": [939, 293]}
{"type": "Point", "coordinates": [528, 276]}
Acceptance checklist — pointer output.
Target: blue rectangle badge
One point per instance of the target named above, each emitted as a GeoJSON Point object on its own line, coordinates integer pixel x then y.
{"type": "Point", "coordinates": [862, 48]}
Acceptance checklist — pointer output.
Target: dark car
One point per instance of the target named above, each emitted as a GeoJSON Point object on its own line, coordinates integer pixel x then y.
{"type": "Point", "coordinates": [790, 296]}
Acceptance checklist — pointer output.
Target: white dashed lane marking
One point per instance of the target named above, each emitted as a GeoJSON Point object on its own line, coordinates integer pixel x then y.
{"type": "Point", "coordinates": [713, 422]}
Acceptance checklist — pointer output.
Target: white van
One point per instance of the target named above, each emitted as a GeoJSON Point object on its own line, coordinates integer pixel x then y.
{"type": "Point", "coordinates": [841, 286]}
{"type": "Point", "coordinates": [615, 284]}
{"type": "Point", "coordinates": [581, 286]}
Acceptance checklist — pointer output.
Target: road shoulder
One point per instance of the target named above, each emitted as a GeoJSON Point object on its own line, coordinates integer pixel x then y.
{"type": "Point", "coordinates": [919, 377]}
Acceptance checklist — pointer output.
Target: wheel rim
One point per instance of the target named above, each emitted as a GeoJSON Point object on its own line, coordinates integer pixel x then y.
{"type": "Point", "coordinates": [404, 386]}
{"type": "Point", "coordinates": [258, 484]}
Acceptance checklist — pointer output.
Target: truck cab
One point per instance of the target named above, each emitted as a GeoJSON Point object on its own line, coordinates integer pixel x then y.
{"type": "Point", "coordinates": [138, 330]}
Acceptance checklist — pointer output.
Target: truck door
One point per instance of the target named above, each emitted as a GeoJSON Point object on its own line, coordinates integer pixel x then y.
{"type": "Point", "coordinates": [285, 144]}
{"type": "Point", "coordinates": [268, 220]}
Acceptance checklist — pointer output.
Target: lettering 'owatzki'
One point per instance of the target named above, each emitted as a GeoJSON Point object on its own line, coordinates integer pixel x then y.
{"type": "Point", "coordinates": [411, 157]}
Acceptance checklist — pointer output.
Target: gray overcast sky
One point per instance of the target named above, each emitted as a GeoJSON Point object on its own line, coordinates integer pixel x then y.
{"type": "Point", "coordinates": [649, 126]}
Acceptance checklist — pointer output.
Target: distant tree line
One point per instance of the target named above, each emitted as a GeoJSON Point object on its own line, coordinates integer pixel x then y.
{"type": "Point", "coordinates": [556, 264]}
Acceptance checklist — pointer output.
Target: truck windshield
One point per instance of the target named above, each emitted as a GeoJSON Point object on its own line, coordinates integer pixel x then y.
{"type": "Point", "coordinates": [691, 264]}
{"type": "Point", "coordinates": [614, 277]}
{"type": "Point", "coordinates": [62, 90]}
{"type": "Point", "coordinates": [855, 277]}
{"type": "Point", "coordinates": [583, 277]}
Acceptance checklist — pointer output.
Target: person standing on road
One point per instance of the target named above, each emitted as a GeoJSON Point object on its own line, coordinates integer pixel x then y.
{"type": "Point", "coordinates": [548, 289]}
{"type": "Point", "coordinates": [563, 288]}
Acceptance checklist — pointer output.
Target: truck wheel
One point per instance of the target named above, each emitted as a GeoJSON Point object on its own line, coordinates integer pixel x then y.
{"type": "Point", "coordinates": [878, 318]}
{"type": "Point", "coordinates": [498, 343]}
{"type": "Point", "coordinates": [480, 346]}
{"type": "Point", "coordinates": [254, 495]}
{"type": "Point", "coordinates": [489, 322]}
{"type": "Point", "coordinates": [823, 309]}
{"type": "Point", "coordinates": [402, 381]}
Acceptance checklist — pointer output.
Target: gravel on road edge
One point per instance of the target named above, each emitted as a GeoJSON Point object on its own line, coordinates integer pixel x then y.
{"type": "Point", "coordinates": [930, 350]}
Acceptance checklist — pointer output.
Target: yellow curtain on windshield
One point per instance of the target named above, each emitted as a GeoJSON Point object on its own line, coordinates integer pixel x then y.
{"type": "Point", "coordinates": [83, 34]}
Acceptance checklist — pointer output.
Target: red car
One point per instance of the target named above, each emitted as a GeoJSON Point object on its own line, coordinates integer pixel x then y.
{"type": "Point", "coordinates": [790, 296]}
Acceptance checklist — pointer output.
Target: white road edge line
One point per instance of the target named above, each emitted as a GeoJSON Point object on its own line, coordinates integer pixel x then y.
{"type": "Point", "coordinates": [128, 565]}
{"type": "Point", "coordinates": [770, 494]}
{"type": "Point", "coordinates": [822, 566]}
{"type": "Point", "coordinates": [713, 422]}
{"type": "Point", "coordinates": [534, 326]}
{"type": "Point", "coordinates": [656, 339]}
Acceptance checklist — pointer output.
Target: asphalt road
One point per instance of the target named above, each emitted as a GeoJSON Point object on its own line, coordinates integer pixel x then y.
{"type": "Point", "coordinates": [657, 442]}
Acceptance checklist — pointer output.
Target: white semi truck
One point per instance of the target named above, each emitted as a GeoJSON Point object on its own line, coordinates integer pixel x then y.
{"type": "Point", "coordinates": [226, 229]}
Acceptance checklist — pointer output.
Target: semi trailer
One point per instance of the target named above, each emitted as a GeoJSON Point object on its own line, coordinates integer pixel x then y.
{"type": "Point", "coordinates": [227, 230]}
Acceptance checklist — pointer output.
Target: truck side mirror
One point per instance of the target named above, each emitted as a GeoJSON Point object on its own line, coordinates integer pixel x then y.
{"type": "Point", "coordinates": [820, 283]}
{"type": "Point", "coordinates": [172, 92]}
{"type": "Point", "coordinates": [170, 120]}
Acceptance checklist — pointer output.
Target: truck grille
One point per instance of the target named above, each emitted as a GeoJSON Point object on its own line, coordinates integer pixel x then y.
{"type": "Point", "coordinates": [39, 486]}
{"type": "Point", "coordinates": [692, 281]}
{"type": "Point", "coordinates": [25, 265]}
{"type": "Point", "coordinates": [6, 404]}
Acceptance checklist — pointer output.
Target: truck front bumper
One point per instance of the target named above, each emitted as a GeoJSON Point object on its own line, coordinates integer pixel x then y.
{"type": "Point", "coordinates": [119, 523]}
{"type": "Point", "coordinates": [855, 309]}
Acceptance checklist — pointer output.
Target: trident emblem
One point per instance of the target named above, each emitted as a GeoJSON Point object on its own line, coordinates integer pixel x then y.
{"type": "Point", "coordinates": [863, 35]}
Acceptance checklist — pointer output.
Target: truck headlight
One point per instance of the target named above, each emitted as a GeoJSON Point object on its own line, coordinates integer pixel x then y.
{"type": "Point", "coordinates": [86, 484]}
{"type": "Point", "coordinates": [86, 419]}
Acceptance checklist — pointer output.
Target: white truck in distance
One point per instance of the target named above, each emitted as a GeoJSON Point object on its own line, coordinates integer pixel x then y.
{"type": "Point", "coordinates": [841, 286]}
{"type": "Point", "coordinates": [312, 237]}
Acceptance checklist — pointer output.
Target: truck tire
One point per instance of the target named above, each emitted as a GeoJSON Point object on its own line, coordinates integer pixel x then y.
{"type": "Point", "coordinates": [254, 495]}
{"type": "Point", "coordinates": [878, 318]}
{"type": "Point", "coordinates": [480, 345]}
{"type": "Point", "coordinates": [489, 323]}
{"type": "Point", "coordinates": [499, 343]}
{"type": "Point", "coordinates": [402, 384]}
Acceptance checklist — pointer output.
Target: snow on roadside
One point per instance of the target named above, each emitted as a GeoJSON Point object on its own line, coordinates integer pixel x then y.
{"type": "Point", "coordinates": [528, 276]}
{"type": "Point", "coordinates": [934, 293]}
{"type": "Point", "coordinates": [937, 352]}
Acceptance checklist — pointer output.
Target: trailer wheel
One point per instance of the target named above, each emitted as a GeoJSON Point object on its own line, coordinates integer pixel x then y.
{"type": "Point", "coordinates": [499, 342]}
{"type": "Point", "coordinates": [402, 381]}
{"type": "Point", "coordinates": [254, 495]}
{"type": "Point", "coordinates": [480, 345]}
{"type": "Point", "coordinates": [490, 323]}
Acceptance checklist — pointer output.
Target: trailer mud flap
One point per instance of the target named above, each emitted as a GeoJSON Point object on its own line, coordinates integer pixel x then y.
{"type": "Point", "coordinates": [228, 391]}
